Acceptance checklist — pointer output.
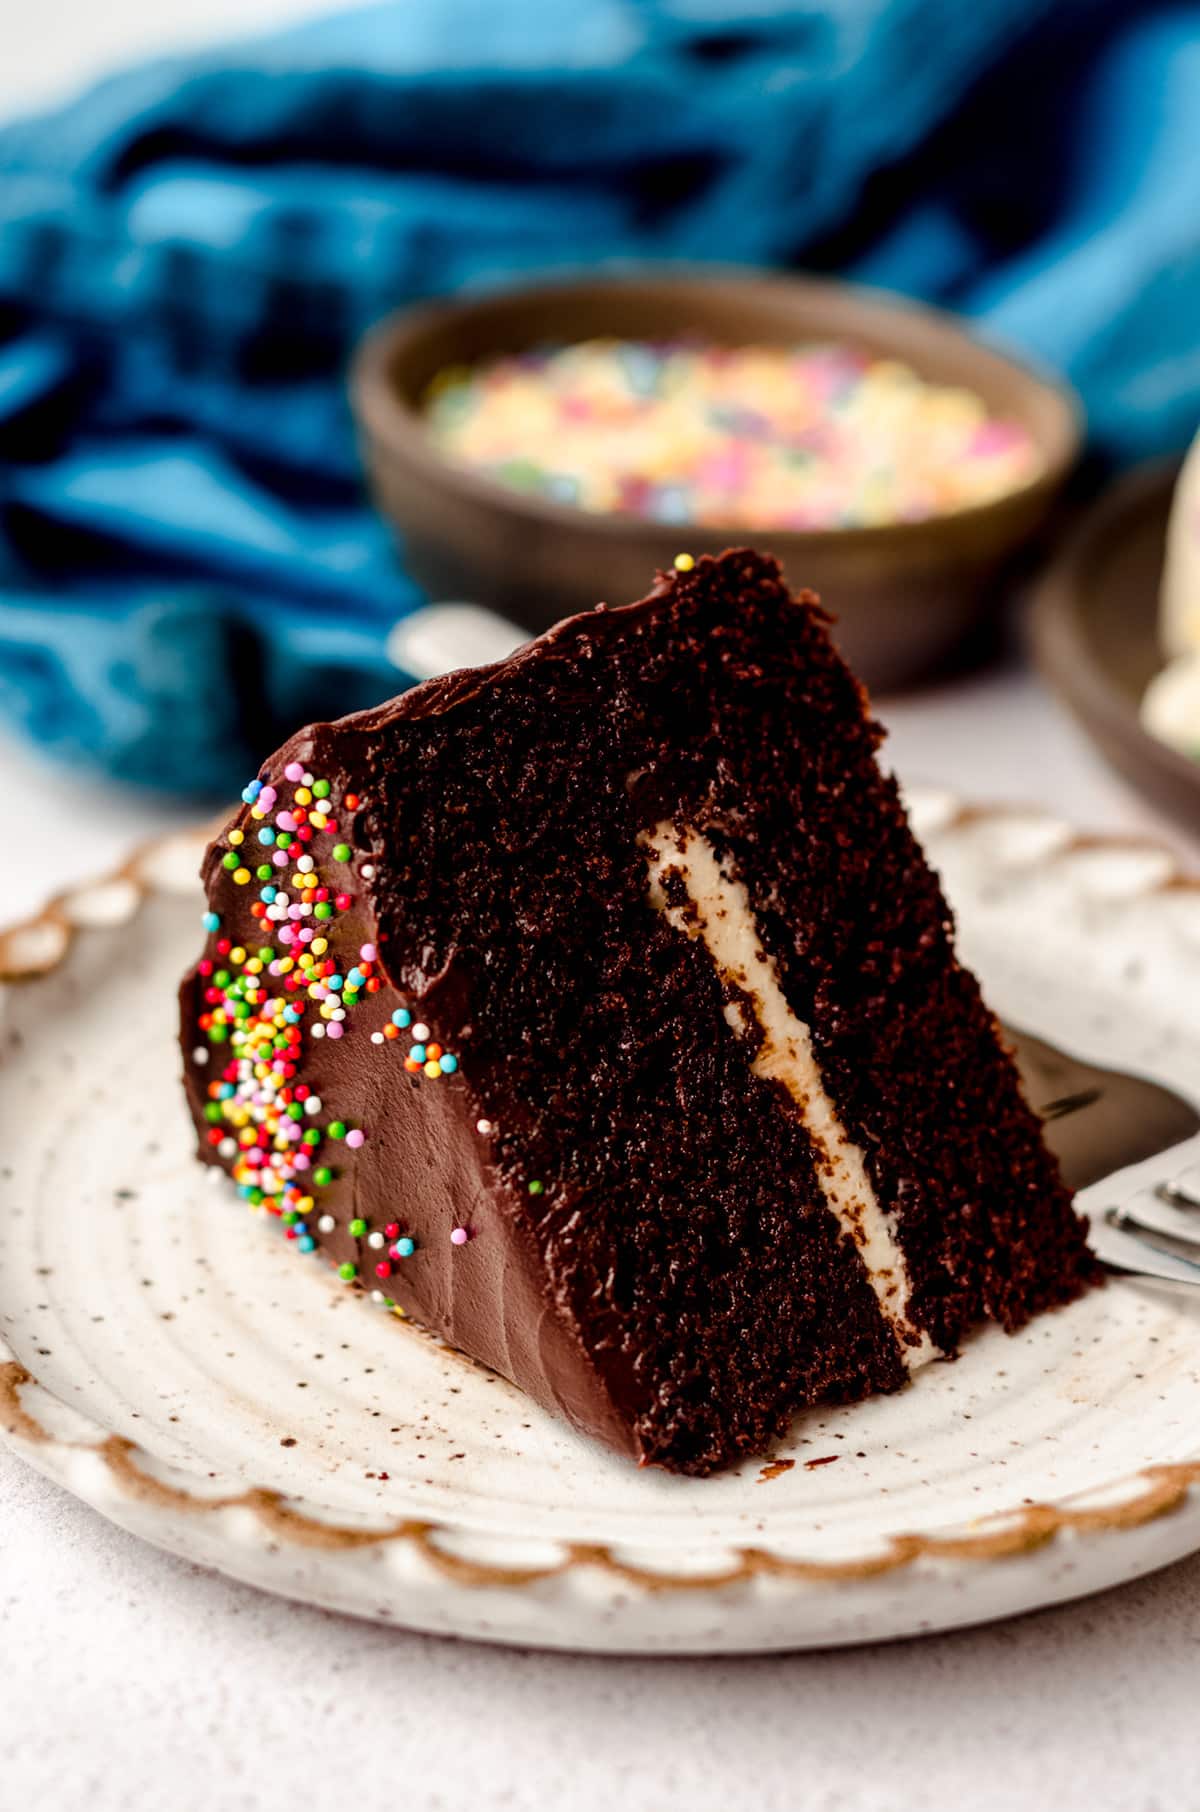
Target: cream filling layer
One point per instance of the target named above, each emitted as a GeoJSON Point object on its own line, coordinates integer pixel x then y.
{"type": "Point", "coordinates": [718, 911]}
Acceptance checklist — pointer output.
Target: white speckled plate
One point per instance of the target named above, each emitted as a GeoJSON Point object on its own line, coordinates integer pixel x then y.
{"type": "Point", "coordinates": [165, 1355]}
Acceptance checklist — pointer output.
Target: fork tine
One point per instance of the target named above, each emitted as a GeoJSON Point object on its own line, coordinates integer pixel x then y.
{"type": "Point", "coordinates": [1182, 1191]}
{"type": "Point", "coordinates": [1154, 1235]}
{"type": "Point", "coordinates": [1183, 1247]}
{"type": "Point", "coordinates": [1183, 1204]}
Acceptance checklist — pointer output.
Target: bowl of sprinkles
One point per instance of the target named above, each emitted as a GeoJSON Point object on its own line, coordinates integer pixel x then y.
{"type": "Point", "coordinates": [539, 450]}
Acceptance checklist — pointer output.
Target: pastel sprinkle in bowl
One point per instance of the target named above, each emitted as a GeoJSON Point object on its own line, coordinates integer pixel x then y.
{"type": "Point", "coordinates": [905, 592]}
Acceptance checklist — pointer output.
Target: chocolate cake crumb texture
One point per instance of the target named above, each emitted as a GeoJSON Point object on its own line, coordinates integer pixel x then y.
{"type": "Point", "coordinates": [466, 1023]}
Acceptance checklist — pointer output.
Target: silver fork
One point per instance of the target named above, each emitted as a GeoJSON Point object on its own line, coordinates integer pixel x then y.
{"type": "Point", "coordinates": [1153, 1231]}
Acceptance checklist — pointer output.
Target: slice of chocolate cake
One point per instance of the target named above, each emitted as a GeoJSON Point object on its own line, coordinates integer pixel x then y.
{"type": "Point", "coordinates": [599, 1010]}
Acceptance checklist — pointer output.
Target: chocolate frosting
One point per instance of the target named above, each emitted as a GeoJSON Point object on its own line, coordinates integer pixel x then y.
{"type": "Point", "coordinates": [428, 1167]}
{"type": "Point", "coordinates": [644, 1242]}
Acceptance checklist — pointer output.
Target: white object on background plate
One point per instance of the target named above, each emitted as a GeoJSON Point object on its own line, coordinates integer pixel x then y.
{"type": "Point", "coordinates": [1180, 601]}
{"type": "Point", "coordinates": [166, 1355]}
{"type": "Point", "coordinates": [1171, 702]}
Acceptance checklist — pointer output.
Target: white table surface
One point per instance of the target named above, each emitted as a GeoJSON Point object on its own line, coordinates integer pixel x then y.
{"type": "Point", "coordinates": [132, 1682]}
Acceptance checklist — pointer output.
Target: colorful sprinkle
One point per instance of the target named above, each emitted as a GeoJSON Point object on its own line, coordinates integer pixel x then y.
{"type": "Point", "coordinates": [459, 1236]}
{"type": "Point", "coordinates": [810, 436]}
{"type": "Point", "coordinates": [264, 1002]}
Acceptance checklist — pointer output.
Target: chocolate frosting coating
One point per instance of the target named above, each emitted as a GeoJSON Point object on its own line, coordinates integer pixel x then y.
{"type": "Point", "coordinates": [650, 1251]}
{"type": "Point", "coordinates": [428, 1167]}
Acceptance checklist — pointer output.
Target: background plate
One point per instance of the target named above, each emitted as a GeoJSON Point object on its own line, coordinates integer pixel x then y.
{"type": "Point", "coordinates": [168, 1357]}
{"type": "Point", "coordinates": [1095, 633]}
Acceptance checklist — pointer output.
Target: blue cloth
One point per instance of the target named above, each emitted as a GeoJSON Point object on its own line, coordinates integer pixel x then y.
{"type": "Point", "coordinates": [188, 566]}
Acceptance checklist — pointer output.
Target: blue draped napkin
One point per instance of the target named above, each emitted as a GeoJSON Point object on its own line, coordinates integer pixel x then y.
{"type": "Point", "coordinates": [188, 565]}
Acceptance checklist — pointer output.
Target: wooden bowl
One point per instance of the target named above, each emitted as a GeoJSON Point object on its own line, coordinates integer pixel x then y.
{"type": "Point", "coordinates": [1095, 633]}
{"type": "Point", "coordinates": [904, 595]}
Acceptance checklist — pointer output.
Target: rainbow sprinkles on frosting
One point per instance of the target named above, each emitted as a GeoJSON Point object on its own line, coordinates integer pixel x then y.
{"type": "Point", "coordinates": [263, 1005]}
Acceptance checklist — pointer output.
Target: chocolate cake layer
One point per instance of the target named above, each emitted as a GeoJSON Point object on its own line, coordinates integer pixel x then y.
{"type": "Point", "coordinates": [646, 1073]}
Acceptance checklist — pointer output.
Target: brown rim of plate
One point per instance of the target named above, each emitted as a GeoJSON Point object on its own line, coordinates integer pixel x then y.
{"type": "Point", "coordinates": [935, 343]}
{"type": "Point", "coordinates": [1094, 632]}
